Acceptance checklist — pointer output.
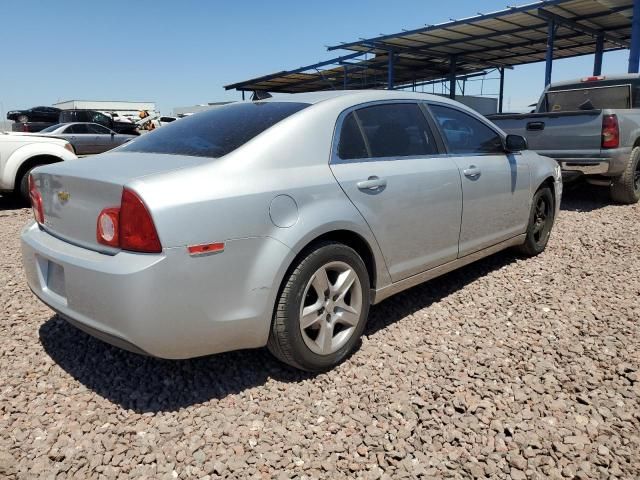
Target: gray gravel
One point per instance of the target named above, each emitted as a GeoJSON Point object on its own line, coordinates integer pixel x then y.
{"type": "Point", "coordinates": [507, 368]}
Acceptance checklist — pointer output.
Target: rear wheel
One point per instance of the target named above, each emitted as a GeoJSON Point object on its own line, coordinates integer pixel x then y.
{"type": "Point", "coordinates": [23, 187]}
{"type": "Point", "coordinates": [322, 308]}
{"type": "Point", "coordinates": [626, 187]}
{"type": "Point", "coordinates": [540, 223]}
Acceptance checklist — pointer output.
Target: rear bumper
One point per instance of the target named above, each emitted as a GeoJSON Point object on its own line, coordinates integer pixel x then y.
{"type": "Point", "coordinates": [169, 305]}
{"type": "Point", "coordinates": [604, 162]}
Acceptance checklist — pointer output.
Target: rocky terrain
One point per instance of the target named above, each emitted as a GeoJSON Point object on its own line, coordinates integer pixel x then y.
{"type": "Point", "coordinates": [508, 368]}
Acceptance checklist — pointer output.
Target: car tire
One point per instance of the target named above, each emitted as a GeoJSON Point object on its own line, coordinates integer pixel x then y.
{"type": "Point", "coordinates": [23, 188]}
{"type": "Point", "coordinates": [540, 223]}
{"type": "Point", "coordinates": [23, 118]}
{"type": "Point", "coordinates": [626, 188]}
{"type": "Point", "coordinates": [336, 315]}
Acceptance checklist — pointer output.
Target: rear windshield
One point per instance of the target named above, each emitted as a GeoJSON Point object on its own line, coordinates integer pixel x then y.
{"type": "Point", "coordinates": [51, 128]}
{"type": "Point", "coordinates": [216, 132]}
{"type": "Point", "coordinates": [571, 100]}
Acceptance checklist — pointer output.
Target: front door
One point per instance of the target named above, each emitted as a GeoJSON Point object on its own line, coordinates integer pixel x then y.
{"type": "Point", "coordinates": [495, 185]}
{"type": "Point", "coordinates": [388, 163]}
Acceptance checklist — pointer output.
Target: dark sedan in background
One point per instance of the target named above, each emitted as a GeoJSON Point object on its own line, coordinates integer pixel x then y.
{"type": "Point", "coordinates": [87, 138]}
{"type": "Point", "coordinates": [35, 114]}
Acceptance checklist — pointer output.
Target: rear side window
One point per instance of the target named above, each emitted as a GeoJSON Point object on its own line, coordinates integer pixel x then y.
{"type": "Point", "coordinates": [99, 129]}
{"type": "Point", "coordinates": [351, 145]}
{"type": "Point", "coordinates": [388, 130]}
{"type": "Point", "coordinates": [216, 132]}
{"type": "Point", "coordinates": [79, 128]}
{"type": "Point", "coordinates": [465, 134]}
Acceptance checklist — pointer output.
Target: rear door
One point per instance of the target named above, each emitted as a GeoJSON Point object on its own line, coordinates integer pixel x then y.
{"type": "Point", "coordinates": [495, 185]}
{"type": "Point", "coordinates": [387, 161]}
{"type": "Point", "coordinates": [80, 138]}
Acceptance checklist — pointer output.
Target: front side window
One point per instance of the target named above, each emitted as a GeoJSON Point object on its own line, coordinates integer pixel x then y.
{"type": "Point", "coordinates": [98, 117]}
{"type": "Point", "coordinates": [216, 132]}
{"type": "Point", "coordinates": [396, 130]}
{"type": "Point", "coordinates": [465, 134]}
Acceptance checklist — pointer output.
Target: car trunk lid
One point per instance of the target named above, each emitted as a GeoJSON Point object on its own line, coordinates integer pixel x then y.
{"type": "Point", "coordinates": [74, 193]}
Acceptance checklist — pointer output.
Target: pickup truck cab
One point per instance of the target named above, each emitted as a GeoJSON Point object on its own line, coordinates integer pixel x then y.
{"type": "Point", "coordinates": [591, 127]}
{"type": "Point", "coordinates": [19, 154]}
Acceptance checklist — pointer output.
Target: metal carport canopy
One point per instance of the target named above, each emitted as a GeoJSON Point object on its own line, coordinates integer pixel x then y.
{"type": "Point", "coordinates": [504, 39]}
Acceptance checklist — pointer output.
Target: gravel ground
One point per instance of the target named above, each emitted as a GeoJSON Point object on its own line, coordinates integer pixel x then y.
{"type": "Point", "coordinates": [507, 368]}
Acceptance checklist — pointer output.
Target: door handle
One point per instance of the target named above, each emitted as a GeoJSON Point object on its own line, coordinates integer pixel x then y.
{"type": "Point", "coordinates": [472, 172]}
{"type": "Point", "coordinates": [535, 126]}
{"type": "Point", "coordinates": [372, 183]}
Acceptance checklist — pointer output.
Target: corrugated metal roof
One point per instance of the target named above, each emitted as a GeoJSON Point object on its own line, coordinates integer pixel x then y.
{"type": "Point", "coordinates": [507, 38]}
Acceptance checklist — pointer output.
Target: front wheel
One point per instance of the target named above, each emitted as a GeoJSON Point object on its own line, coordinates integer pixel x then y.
{"type": "Point", "coordinates": [23, 119]}
{"type": "Point", "coordinates": [541, 221]}
{"type": "Point", "coordinates": [626, 187]}
{"type": "Point", "coordinates": [322, 308]}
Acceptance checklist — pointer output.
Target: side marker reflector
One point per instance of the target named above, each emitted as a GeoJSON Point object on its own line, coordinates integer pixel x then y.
{"type": "Point", "coordinates": [206, 248]}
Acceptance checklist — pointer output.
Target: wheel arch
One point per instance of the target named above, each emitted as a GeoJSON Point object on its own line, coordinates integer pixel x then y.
{"type": "Point", "coordinates": [32, 162]}
{"type": "Point", "coordinates": [346, 237]}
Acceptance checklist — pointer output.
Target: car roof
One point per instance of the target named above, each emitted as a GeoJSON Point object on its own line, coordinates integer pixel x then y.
{"type": "Point", "coordinates": [358, 96]}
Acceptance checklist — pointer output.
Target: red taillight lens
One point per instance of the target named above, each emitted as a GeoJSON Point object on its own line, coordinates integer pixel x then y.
{"type": "Point", "coordinates": [137, 231]}
{"type": "Point", "coordinates": [108, 227]}
{"type": "Point", "coordinates": [36, 201]}
{"type": "Point", "coordinates": [610, 132]}
{"type": "Point", "coordinates": [129, 227]}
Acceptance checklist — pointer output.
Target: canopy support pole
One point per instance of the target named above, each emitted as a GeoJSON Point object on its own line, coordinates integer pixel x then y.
{"type": "Point", "coordinates": [551, 38]}
{"type": "Point", "coordinates": [243, 95]}
{"type": "Point", "coordinates": [390, 79]}
{"type": "Point", "coordinates": [501, 97]}
{"type": "Point", "coordinates": [634, 55]}
{"type": "Point", "coordinates": [597, 63]}
{"type": "Point", "coordinates": [452, 77]}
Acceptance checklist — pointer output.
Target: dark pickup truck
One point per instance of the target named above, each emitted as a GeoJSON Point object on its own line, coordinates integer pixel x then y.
{"type": "Point", "coordinates": [591, 127]}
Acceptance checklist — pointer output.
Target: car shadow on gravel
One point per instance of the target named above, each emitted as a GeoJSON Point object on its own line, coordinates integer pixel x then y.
{"type": "Point", "coordinates": [146, 384]}
{"type": "Point", "coordinates": [579, 196]}
{"type": "Point", "coordinates": [9, 202]}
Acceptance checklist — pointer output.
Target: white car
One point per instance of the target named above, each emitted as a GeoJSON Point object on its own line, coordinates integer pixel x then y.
{"type": "Point", "coordinates": [19, 154]}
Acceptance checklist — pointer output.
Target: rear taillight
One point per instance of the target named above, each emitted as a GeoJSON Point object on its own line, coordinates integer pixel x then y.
{"type": "Point", "coordinates": [129, 227]}
{"type": "Point", "coordinates": [108, 227]}
{"type": "Point", "coordinates": [36, 201]}
{"type": "Point", "coordinates": [610, 132]}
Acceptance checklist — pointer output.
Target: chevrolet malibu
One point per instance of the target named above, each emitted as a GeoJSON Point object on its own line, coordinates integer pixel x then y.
{"type": "Point", "coordinates": [279, 222]}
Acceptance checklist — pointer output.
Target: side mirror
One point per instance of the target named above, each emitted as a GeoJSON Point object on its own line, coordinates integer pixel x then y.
{"type": "Point", "coordinates": [515, 143]}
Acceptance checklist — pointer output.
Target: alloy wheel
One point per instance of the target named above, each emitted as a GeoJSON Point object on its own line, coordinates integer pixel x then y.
{"type": "Point", "coordinates": [331, 308]}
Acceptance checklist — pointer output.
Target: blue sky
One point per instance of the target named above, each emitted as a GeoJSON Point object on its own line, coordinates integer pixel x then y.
{"type": "Point", "coordinates": [182, 52]}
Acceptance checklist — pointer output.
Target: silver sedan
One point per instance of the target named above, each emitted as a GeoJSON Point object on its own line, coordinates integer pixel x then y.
{"type": "Point", "coordinates": [280, 222]}
{"type": "Point", "coordinates": [87, 138]}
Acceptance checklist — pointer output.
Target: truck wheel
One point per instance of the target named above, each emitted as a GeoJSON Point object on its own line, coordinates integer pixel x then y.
{"type": "Point", "coordinates": [322, 308]}
{"type": "Point", "coordinates": [23, 188]}
{"type": "Point", "coordinates": [626, 187]}
{"type": "Point", "coordinates": [541, 220]}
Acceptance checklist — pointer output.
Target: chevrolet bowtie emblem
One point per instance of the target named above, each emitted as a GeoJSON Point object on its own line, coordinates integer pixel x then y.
{"type": "Point", "coordinates": [63, 196]}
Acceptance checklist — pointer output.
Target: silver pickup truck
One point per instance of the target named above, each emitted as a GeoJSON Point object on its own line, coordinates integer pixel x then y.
{"type": "Point", "coordinates": [591, 127]}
